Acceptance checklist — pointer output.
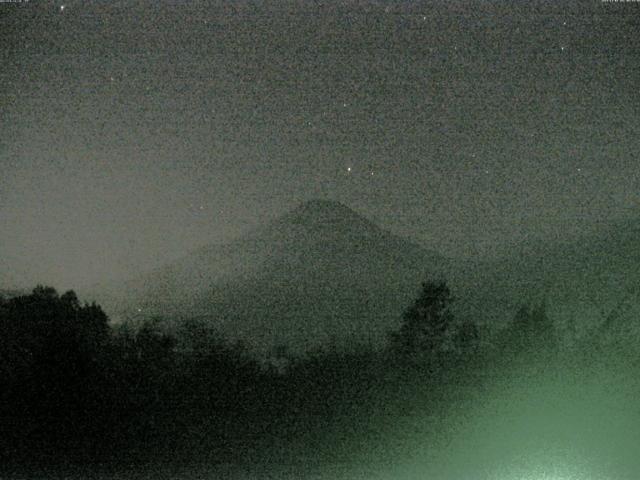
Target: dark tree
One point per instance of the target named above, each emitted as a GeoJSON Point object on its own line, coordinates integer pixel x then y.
{"type": "Point", "coordinates": [50, 353]}
{"type": "Point", "coordinates": [426, 323]}
{"type": "Point", "coordinates": [530, 332]}
{"type": "Point", "coordinates": [466, 339]}
{"type": "Point", "coordinates": [146, 355]}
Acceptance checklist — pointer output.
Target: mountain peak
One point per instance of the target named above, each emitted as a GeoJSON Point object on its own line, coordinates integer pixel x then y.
{"type": "Point", "coordinates": [322, 212]}
{"type": "Point", "coordinates": [305, 271]}
{"type": "Point", "coordinates": [319, 205]}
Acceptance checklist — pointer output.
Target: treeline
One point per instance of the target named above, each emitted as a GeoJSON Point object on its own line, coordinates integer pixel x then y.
{"type": "Point", "coordinates": [75, 389]}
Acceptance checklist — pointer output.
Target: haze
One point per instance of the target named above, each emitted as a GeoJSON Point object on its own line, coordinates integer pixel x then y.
{"type": "Point", "coordinates": [330, 240]}
{"type": "Point", "coordinates": [134, 133]}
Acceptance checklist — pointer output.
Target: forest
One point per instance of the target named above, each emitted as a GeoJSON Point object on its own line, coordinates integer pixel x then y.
{"type": "Point", "coordinates": [78, 390]}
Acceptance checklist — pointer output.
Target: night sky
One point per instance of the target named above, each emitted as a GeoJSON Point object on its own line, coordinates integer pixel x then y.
{"type": "Point", "coordinates": [134, 132]}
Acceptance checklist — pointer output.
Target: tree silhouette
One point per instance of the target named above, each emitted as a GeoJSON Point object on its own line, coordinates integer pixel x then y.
{"type": "Point", "coordinates": [426, 322]}
{"type": "Point", "coordinates": [466, 339]}
{"type": "Point", "coordinates": [50, 351]}
{"type": "Point", "coordinates": [531, 331]}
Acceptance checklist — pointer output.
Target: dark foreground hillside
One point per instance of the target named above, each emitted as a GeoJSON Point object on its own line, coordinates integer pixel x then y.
{"type": "Point", "coordinates": [81, 398]}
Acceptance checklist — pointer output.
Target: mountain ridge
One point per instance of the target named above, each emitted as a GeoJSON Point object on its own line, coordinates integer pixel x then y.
{"type": "Point", "coordinates": [319, 267]}
{"type": "Point", "coordinates": [323, 268]}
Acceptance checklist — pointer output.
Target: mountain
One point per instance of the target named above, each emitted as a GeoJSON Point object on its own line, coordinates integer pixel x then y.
{"type": "Point", "coordinates": [585, 281]}
{"type": "Point", "coordinates": [324, 273]}
{"type": "Point", "coordinates": [321, 273]}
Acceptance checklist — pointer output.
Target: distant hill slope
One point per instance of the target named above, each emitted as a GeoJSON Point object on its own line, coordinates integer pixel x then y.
{"type": "Point", "coordinates": [10, 293]}
{"type": "Point", "coordinates": [324, 273]}
{"type": "Point", "coordinates": [583, 280]}
{"type": "Point", "coordinates": [317, 274]}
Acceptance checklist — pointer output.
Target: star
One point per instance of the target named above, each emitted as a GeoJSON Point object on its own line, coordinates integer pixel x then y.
{"type": "Point", "coordinates": [62, 8]}
{"type": "Point", "coordinates": [348, 169]}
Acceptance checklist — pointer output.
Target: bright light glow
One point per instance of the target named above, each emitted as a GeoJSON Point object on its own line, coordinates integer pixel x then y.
{"type": "Point", "coordinates": [566, 474]}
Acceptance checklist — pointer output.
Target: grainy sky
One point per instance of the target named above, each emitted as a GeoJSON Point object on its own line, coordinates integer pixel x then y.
{"type": "Point", "coordinates": [133, 132]}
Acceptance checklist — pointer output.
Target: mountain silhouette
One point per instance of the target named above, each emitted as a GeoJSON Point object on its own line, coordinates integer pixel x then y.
{"type": "Point", "coordinates": [322, 273]}
{"type": "Point", "coordinates": [319, 274]}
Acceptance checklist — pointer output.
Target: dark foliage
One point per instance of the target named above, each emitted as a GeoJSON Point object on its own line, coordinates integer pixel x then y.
{"type": "Point", "coordinates": [466, 339]}
{"type": "Point", "coordinates": [75, 389]}
{"type": "Point", "coordinates": [426, 323]}
{"type": "Point", "coordinates": [51, 355]}
{"type": "Point", "coordinates": [531, 332]}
